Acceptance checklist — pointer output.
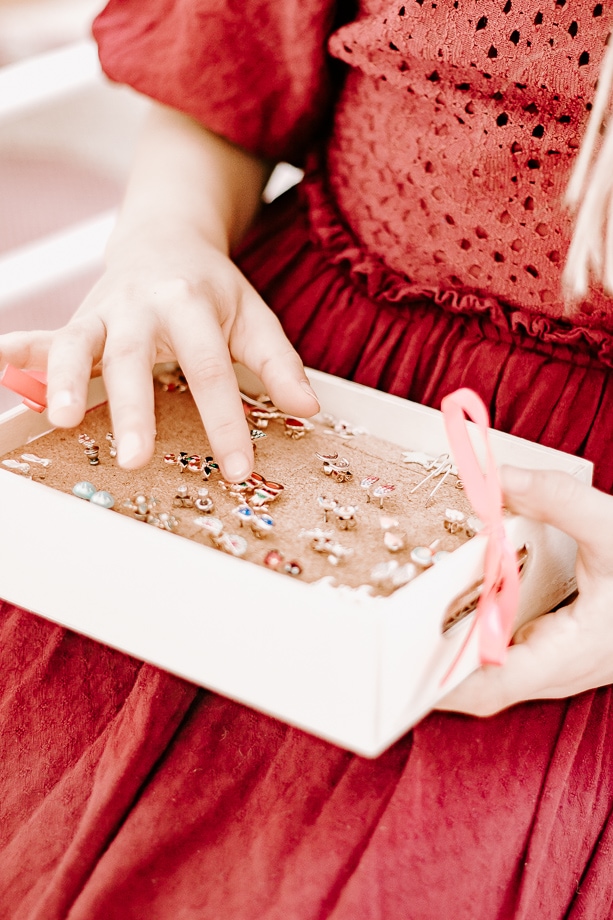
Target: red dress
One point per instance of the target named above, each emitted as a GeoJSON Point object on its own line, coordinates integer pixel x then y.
{"type": "Point", "coordinates": [421, 253]}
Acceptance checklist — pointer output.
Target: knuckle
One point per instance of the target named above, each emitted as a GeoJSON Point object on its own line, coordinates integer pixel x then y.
{"type": "Point", "coordinates": [284, 357]}
{"type": "Point", "coordinates": [177, 291]}
{"type": "Point", "coordinates": [210, 371]}
{"type": "Point", "coordinates": [128, 348]}
{"type": "Point", "coordinates": [228, 427]}
{"type": "Point", "coordinates": [73, 335]}
{"type": "Point", "coordinates": [226, 430]}
{"type": "Point", "coordinates": [119, 353]}
{"type": "Point", "coordinates": [18, 347]}
{"type": "Point", "coordinates": [178, 301]}
{"type": "Point", "coordinates": [78, 340]}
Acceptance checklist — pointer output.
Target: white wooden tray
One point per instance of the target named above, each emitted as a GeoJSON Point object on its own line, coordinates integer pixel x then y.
{"type": "Point", "coordinates": [355, 669]}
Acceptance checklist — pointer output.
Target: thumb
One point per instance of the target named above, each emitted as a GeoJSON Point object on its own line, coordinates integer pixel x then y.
{"type": "Point", "coordinates": [559, 499]}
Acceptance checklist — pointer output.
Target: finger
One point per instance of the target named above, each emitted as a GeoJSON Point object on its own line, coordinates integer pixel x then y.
{"type": "Point", "coordinates": [26, 350]}
{"type": "Point", "coordinates": [203, 355]}
{"type": "Point", "coordinates": [562, 500]}
{"type": "Point", "coordinates": [129, 356]}
{"type": "Point", "coordinates": [72, 352]}
{"type": "Point", "coordinates": [258, 342]}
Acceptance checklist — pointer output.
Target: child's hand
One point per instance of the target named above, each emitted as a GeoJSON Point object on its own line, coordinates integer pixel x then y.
{"type": "Point", "coordinates": [570, 650]}
{"type": "Point", "coordinates": [171, 292]}
{"type": "Point", "coordinates": [169, 296]}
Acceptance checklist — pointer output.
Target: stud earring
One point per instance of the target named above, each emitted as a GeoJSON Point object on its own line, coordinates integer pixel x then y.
{"type": "Point", "coordinates": [382, 492]}
{"type": "Point", "coordinates": [327, 505]}
{"type": "Point", "coordinates": [473, 525]}
{"type": "Point", "coordinates": [346, 516]}
{"type": "Point", "coordinates": [261, 523]}
{"type": "Point", "coordinates": [33, 458]}
{"type": "Point", "coordinates": [393, 539]}
{"type": "Point", "coordinates": [91, 449]}
{"type": "Point", "coordinates": [84, 490]}
{"type": "Point", "coordinates": [112, 444]}
{"type": "Point", "coordinates": [333, 550]}
{"type": "Point", "coordinates": [103, 499]}
{"type": "Point", "coordinates": [367, 483]}
{"type": "Point", "coordinates": [340, 427]}
{"type": "Point", "coordinates": [453, 520]}
{"type": "Point", "coordinates": [336, 467]}
{"type": "Point", "coordinates": [296, 428]}
{"type": "Point", "coordinates": [88, 491]}
{"type": "Point", "coordinates": [389, 575]}
{"type": "Point", "coordinates": [204, 503]}
{"type": "Point", "coordinates": [423, 556]}
{"type": "Point", "coordinates": [172, 381]}
{"type": "Point", "coordinates": [208, 467]}
{"type": "Point", "coordinates": [182, 498]}
{"type": "Point", "coordinates": [164, 520]}
{"type": "Point", "coordinates": [255, 434]}
{"type": "Point", "coordinates": [141, 507]}
{"type": "Point", "coordinates": [17, 467]}
{"type": "Point", "coordinates": [230, 543]}
{"type": "Point", "coordinates": [275, 560]}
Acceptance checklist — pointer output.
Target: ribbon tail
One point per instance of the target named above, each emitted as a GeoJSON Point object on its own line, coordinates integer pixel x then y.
{"type": "Point", "coordinates": [497, 609]}
{"type": "Point", "coordinates": [497, 605]}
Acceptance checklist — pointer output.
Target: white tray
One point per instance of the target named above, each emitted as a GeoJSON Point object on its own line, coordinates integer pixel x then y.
{"type": "Point", "coordinates": [355, 669]}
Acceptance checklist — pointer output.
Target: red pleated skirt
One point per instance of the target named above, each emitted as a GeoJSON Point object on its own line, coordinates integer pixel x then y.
{"type": "Point", "coordinates": [127, 793]}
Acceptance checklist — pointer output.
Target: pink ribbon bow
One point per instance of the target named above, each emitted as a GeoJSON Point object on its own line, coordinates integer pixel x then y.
{"type": "Point", "coordinates": [497, 605]}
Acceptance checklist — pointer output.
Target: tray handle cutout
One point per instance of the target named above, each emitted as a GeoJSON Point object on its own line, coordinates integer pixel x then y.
{"type": "Point", "coordinates": [466, 602]}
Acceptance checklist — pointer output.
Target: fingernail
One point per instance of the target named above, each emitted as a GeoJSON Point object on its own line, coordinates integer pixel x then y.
{"type": "Point", "coordinates": [515, 479]}
{"type": "Point", "coordinates": [237, 466]}
{"type": "Point", "coordinates": [130, 450]}
{"type": "Point", "coordinates": [306, 386]}
{"type": "Point", "coordinates": [61, 401]}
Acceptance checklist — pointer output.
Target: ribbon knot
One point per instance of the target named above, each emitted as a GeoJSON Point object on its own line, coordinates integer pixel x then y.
{"type": "Point", "coordinates": [497, 605]}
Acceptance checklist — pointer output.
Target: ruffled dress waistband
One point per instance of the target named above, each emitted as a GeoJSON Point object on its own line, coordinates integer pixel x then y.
{"type": "Point", "coordinates": [588, 342]}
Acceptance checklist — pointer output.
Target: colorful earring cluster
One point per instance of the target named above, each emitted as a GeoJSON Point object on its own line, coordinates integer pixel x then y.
{"type": "Point", "coordinates": [246, 504]}
{"type": "Point", "coordinates": [260, 412]}
{"type": "Point", "coordinates": [194, 463]}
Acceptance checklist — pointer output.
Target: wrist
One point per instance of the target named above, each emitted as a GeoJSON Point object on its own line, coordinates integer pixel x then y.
{"type": "Point", "coordinates": [162, 233]}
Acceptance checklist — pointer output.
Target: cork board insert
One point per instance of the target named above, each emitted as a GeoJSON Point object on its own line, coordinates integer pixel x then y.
{"type": "Point", "coordinates": [409, 518]}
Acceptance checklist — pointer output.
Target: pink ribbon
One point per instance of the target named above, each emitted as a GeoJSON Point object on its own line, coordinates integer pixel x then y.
{"type": "Point", "coordinates": [32, 385]}
{"type": "Point", "coordinates": [497, 605]}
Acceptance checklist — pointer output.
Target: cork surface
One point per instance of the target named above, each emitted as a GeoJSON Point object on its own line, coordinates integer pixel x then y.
{"type": "Point", "coordinates": [296, 511]}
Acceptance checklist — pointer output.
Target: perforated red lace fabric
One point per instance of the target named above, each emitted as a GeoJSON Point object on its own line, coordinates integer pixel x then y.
{"type": "Point", "coordinates": [454, 138]}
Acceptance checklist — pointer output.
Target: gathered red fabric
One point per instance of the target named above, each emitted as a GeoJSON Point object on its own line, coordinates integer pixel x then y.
{"type": "Point", "coordinates": [126, 792]}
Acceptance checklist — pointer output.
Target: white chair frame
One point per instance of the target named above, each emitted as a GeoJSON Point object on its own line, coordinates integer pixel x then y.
{"type": "Point", "coordinates": [42, 101]}
{"type": "Point", "coordinates": [32, 94]}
